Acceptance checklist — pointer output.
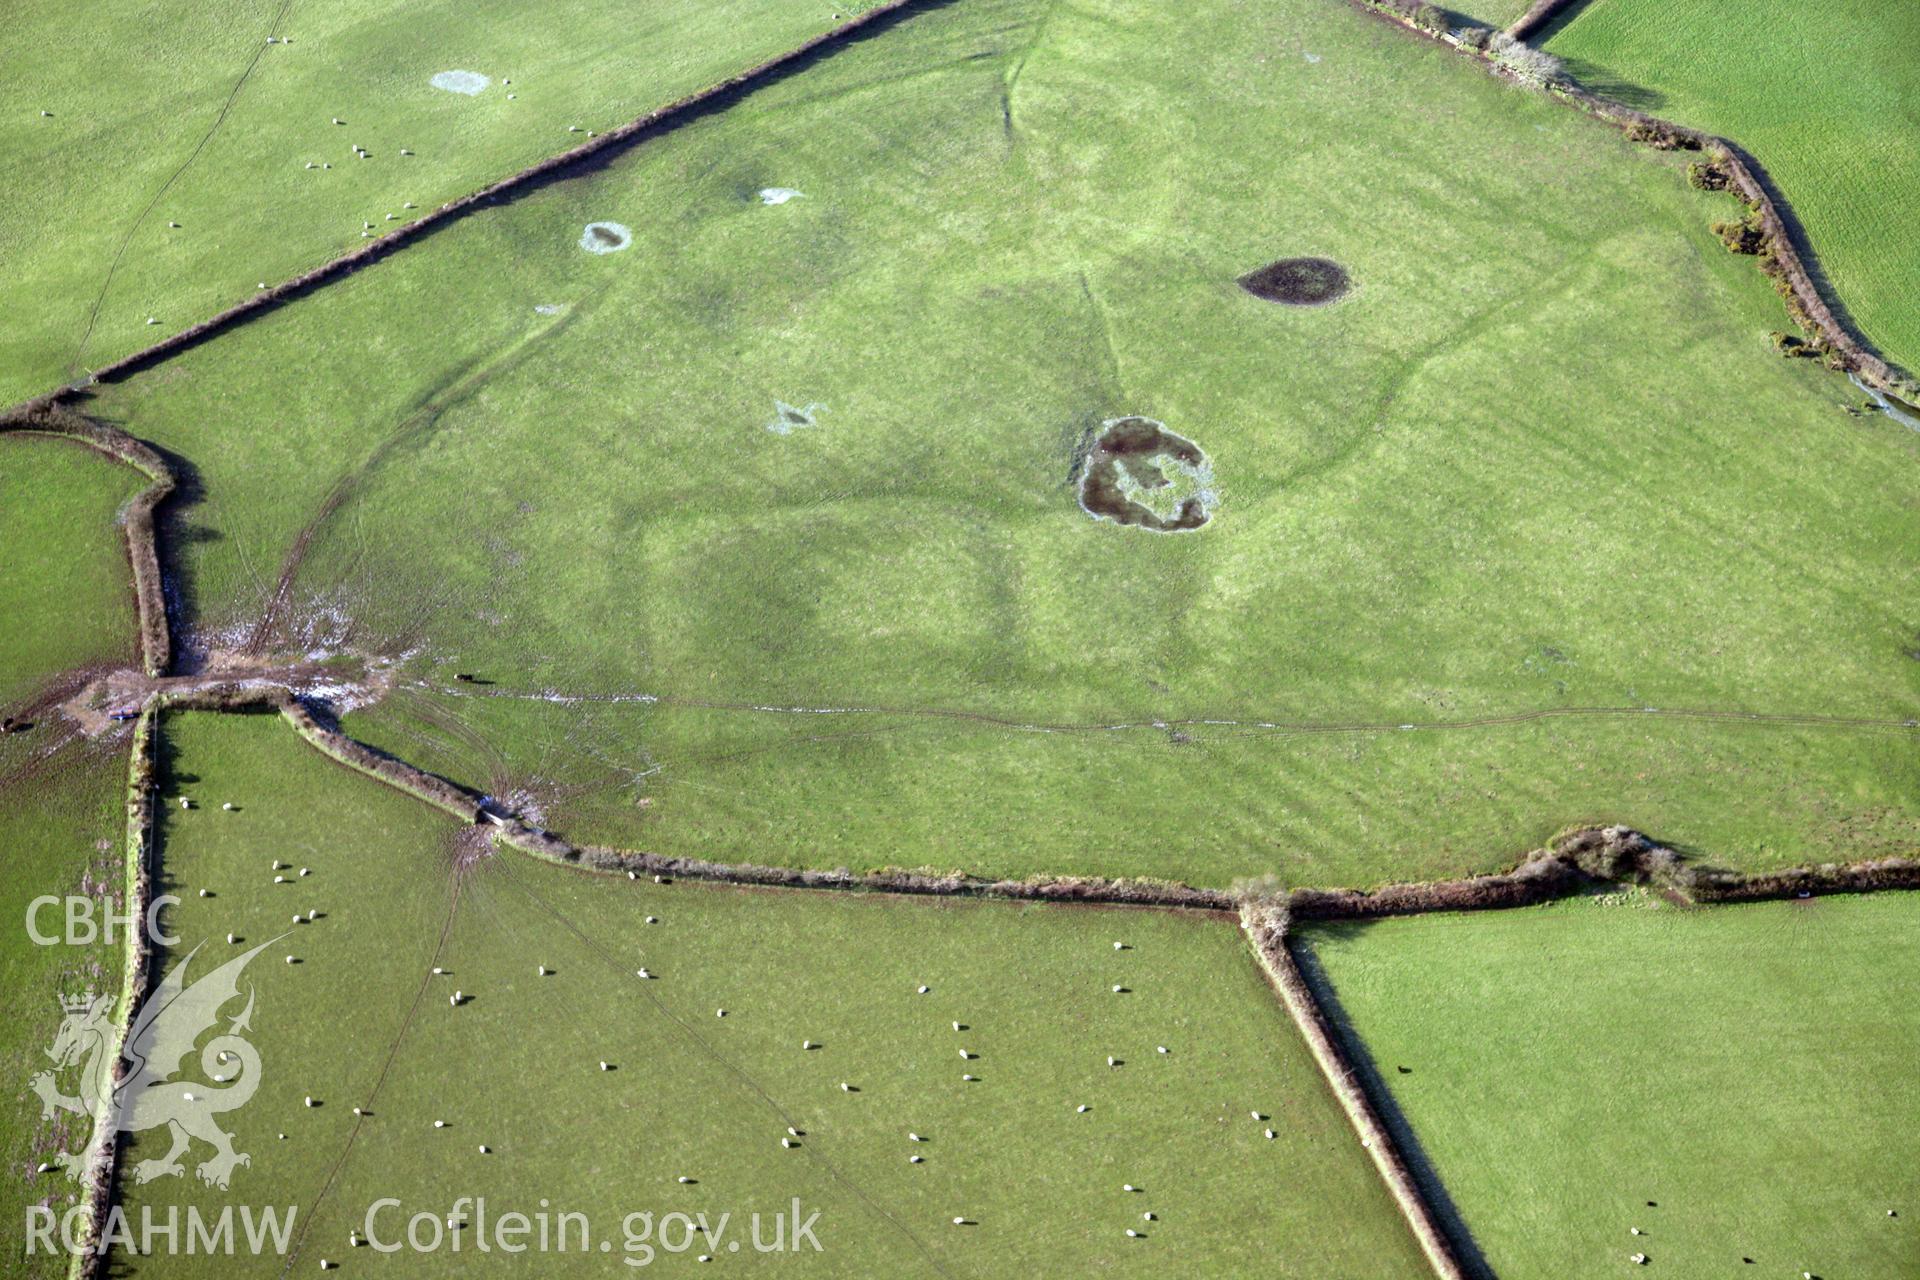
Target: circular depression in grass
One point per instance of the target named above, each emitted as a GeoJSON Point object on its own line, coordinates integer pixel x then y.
{"type": "Point", "coordinates": [605, 237]}
{"type": "Point", "coordinates": [467, 82]}
{"type": "Point", "coordinates": [1298, 282]}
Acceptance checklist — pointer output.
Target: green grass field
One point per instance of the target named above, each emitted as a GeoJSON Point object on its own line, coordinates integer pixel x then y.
{"type": "Point", "coordinates": [361, 1021]}
{"type": "Point", "coordinates": [1541, 458]}
{"type": "Point", "coordinates": [187, 115]}
{"type": "Point", "coordinates": [1827, 97]}
{"type": "Point", "coordinates": [1750, 1069]}
{"type": "Point", "coordinates": [728, 499]}
{"type": "Point", "coordinates": [66, 598]}
{"type": "Point", "coordinates": [61, 836]}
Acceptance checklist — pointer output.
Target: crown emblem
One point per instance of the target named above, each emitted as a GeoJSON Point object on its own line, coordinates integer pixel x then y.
{"type": "Point", "coordinates": [77, 1004]}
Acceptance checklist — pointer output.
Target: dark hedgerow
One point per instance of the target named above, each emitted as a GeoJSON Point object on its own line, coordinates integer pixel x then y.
{"type": "Point", "coordinates": [1745, 236]}
{"type": "Point", "coordinates": [1705, 175]}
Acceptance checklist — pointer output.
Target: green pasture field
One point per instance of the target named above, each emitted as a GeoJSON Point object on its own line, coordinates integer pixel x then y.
{"type": "Point", "coordinates": [171, 112]}
{"type": "Point", "coordinates": [66, 594]}
{"type": "Point", "coordinates": [1498, 14]}
{"type": "Point", "coordinates": [361, 1021]}
{"type": "Point", "coordinates": [1827, 97]}
{"type": "Point", "coordinates": [1542, 458]}
{"type": "Point", "coordinates": [61, 835]}
{"type": "Point", "coordinates": [1738, 1082]}
{"type": "Point", "coordinates": [65, 602]}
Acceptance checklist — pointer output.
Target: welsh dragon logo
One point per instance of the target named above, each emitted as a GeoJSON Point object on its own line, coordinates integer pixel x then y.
{"type": "Point", "coordinates": [160, 1038]}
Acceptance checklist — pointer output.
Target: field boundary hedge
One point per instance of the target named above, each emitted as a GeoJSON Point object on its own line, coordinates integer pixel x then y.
{"type": "Point", "coordinates": [1579, 859]}
{"type": "Point", "coordinates": [1775, 248]}
{"type": "Point", "coordinates": [44, 417]}
{"type": "Point", "coordinates": [1266, 928]}
{"type": "Point", "coordinates": [1594, 856]}
{"type": "Point", "coordinates": [101, 1174]}
{"type": "Point", "coordinates": [1538, 15]}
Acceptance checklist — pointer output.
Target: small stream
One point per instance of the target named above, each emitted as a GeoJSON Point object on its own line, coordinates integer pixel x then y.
{"type": "Point", "coordinates": [1899, 412]}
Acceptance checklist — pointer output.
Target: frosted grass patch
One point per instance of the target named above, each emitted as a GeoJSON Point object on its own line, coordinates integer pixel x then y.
{"type": "Point", "coordinates": [788, 419]}
{"type": "Point", "coordinates": [467, 82]}
{"type": "Point", "coordinates": [605, 237]}
{"type": "Point", "coordinates": [778, 195]}
{"type": "Point", "coordinates": [1179, 481]}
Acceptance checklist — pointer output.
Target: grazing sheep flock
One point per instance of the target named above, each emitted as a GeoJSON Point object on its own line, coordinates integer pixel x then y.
{"type": "Point", "coordinates": [945, 1144]}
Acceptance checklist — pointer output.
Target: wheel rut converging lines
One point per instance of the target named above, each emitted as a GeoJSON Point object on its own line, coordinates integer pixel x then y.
{"type": "Point", "coordinates": [386, 1065]}
{"type": "Point", "coordinates": [113, 265]}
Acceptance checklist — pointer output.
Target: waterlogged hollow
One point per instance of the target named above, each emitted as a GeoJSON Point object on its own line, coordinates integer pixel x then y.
{"type": "Point", "coordinates": [1142, 474]}
{"type": "Point", "coordinates": [605, 237]}
{"type": "Point", "coordinates": [467, 82]}
{"type": "Point", "coordinates": [1298, 282]}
